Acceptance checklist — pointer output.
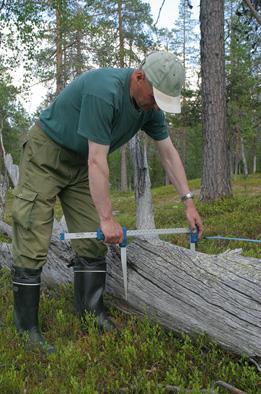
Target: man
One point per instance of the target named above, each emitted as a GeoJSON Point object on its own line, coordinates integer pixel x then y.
{"type": "Point", "coordinates": [66, 156]}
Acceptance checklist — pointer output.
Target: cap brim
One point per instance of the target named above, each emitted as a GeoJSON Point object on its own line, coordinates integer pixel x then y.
{"type": "Point", "coordinates": [167, 103]}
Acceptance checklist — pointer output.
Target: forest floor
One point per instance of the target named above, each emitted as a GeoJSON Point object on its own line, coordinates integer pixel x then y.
{"type": "Point", "coordinates": [238, 216]}
{"type": "Point", "coordinates": [142, 357]}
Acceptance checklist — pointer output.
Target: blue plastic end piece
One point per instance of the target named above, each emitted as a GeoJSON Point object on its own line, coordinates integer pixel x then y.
{"type": "Point", "coordinates": [62, 238]}
{"type": "Point", "coordinates": [100, 235]}
{"type": "Point", "coordinates": [124, 243]}
{"type": "Point", "coordinates": [194, 237]}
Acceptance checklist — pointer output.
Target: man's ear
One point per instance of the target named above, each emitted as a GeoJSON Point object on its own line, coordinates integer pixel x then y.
{"type": "Point", "coordinates": [140, 75]}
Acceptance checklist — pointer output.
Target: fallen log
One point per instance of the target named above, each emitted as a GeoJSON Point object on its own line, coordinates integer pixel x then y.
{"type": "Point", "coordinates": [194, 292]}
{"type": "Point", "coordinates": [183, 290]}
{"type": "Point", "coordinates": [60, 253]}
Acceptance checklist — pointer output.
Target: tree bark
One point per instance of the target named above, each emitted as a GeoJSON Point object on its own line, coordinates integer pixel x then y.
{"type": "Point", "coordinates": [124, 176]}
{"type": "Point", "coordinates": [79, 57]}
{"type": "Point", "coordinates": [142, 184]}
{"type": "Point", "coordinates": [4, 183]}
{"type": "Point", "coordinates": [185, 291]}
{"type": "Point", "coordinates": [254, 154]}
{"type": "Point", "coordinates": [121, 35]}
{"type": "Point", "coordinates": [59, 52]}
{"type": "Point", "coordinates": [243, 155]}
{"type": "Point", "coordinates": [123, 150]}
{"type": "Point", "coordinates": [254, 164]}
{"type": "Point", "coordinates": [216, 176]}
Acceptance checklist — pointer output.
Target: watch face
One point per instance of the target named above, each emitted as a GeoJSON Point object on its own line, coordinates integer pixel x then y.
{"type": "Point", "coordinates": [187, 196]}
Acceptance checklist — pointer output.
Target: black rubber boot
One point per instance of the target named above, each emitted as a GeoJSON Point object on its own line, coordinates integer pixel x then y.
{"type": "Point", "coordinates": [26, 290]}
{"type": "Point", "coordinates": [89, 285]}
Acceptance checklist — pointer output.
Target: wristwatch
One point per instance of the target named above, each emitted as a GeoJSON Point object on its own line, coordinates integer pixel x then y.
{"type": "Point", "coordinates": [187, 196]}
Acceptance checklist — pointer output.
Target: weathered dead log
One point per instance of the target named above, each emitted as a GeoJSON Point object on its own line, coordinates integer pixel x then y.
{"type": "Point", "coordinates": [194, 292]}
{"type": "Point", "coordinates": [4, 184]}
{"type": "Point", "coordinates": [12, 169]}
{"type": "Point", "coordinates": [186, 291]}
{"type": "Point", "coordinates": [60, 253]}
{"type": "Point", "coordinates": [6, 229]}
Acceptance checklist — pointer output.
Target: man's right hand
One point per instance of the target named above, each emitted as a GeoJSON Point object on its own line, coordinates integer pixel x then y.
{"type": "Point", "coordinates": [112, 231]}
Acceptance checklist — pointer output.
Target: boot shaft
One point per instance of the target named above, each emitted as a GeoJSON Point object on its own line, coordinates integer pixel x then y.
{"type": "Point", "coordinates": [26, 292]}
{"type": "Point", "coordinates": [89, 284]}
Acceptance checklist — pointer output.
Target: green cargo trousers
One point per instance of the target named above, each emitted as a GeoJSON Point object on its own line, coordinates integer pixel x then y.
{"type": "Point", "coordinates": [48, 170]}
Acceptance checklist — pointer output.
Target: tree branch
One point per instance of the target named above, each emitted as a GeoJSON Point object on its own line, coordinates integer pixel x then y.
{"type": "Point", "coordinates": [2, 5]}
{"type": "Point", "coordinates": [253, 10]}
{"type": "Point", "coordinates": [63, 49]}
{"type": "Point", "coordinates": [159, 13]}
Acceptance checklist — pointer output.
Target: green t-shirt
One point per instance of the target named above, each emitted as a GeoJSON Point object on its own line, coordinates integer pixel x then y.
{"type": "Point", "coordinates": [97, 106]}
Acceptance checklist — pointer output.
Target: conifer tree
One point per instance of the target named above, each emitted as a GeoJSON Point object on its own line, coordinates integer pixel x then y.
{"type": "Point", "coordinates": [185, 42]}
{"type": "Point", "coordinates": [216, 175]}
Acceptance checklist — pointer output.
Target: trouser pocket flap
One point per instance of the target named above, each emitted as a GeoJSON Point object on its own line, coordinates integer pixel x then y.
{"type": "Point", "coordinates": [23, 207]}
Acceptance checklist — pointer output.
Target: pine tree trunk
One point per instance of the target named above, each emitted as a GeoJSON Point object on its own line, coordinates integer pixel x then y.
{"type": "Point", "coordinates": [184, 44]}
{"type": "Point", "coordinates": [243, 155]}
{"type": "Point", "coordinates": [124, 177]}
{"type": "Point", "coordinates": [123, 150]}
{"type": "Point", "coordinates": [121, 34]}
{"type": "Point", "coordinates": [237, 148]}
{"type": "Point", "coordinates": [254, 155]}
{"type": "Point", "coordinates": [216, 176]}
{"type": "Point", "coordinates": [79, 61]}
{"type": "Point", "coordinates": [59, 52]}
{"type": "Point", "coordinates": [254, 164]}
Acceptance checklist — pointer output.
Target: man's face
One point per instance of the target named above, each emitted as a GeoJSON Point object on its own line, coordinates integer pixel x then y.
{"type": "Point", "coordinates": [144, 95]}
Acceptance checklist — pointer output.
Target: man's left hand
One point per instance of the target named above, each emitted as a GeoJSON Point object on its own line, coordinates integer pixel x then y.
{"type": "Point", "coordinates": [193, 217]}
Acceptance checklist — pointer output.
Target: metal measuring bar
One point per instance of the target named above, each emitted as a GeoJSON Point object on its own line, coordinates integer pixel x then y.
{"type": "Point", "coordinates": [98, 234]}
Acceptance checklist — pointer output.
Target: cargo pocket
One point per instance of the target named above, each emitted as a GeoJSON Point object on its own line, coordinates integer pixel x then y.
{"type": "Point", "coordinates": [23, 204]}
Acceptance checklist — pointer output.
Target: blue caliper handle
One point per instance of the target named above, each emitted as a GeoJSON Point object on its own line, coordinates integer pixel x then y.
{"type": "Point", "coordinates": [100, 235]}
{"type": "Point", "coordinates": [125, 238]}
{"type": "Point", "coordinates": [123, 244]}
{"type": "Point", "coordinates": [194, 236]}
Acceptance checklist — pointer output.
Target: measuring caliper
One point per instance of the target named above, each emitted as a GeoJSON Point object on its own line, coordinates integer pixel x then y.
{"type": "Point", "coordinates": [98, 234]}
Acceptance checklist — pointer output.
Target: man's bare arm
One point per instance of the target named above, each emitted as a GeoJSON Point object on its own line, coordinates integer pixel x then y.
{"type": "Point", "coordinates": [98, 171]}
{"type": "Point", "coordinates": [174, 168]}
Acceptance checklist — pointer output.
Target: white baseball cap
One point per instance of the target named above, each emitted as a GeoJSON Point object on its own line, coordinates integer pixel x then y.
{"type": "Point", "coordinates": [166, 74]}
